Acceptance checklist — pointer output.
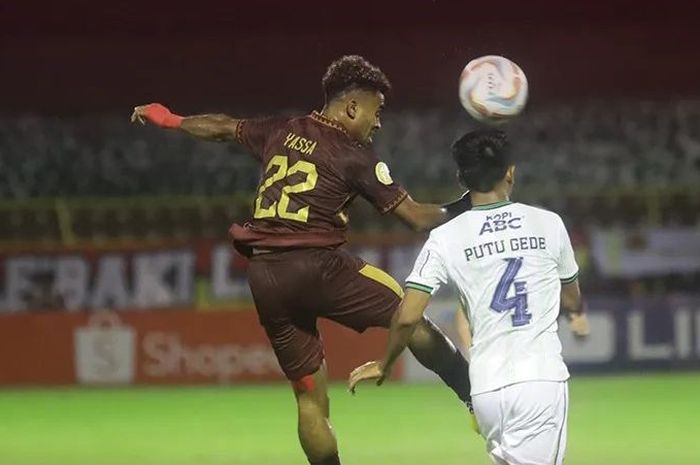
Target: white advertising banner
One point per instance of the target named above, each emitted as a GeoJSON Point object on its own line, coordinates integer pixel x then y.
{"type": "Point", "coordinates": [646, 252]}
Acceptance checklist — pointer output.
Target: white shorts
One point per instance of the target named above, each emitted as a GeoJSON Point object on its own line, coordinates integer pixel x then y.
{"type": "Point", "coordinates": [524, 423]}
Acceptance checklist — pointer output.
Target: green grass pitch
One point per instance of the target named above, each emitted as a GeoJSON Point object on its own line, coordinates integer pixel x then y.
{"type": "Point", "coordinates": [635, 420]}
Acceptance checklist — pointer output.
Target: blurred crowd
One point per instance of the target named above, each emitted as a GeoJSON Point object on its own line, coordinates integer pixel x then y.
{"type": "Point", "coordinates": [628, 145]}
{"type": "Point", "coordinates": [562, 148]}
{"type": "Point", "coordinates": [107, 156]}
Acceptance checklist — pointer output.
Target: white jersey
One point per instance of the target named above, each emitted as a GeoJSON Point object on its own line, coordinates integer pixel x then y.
{"type": "Point", "coordinates": [508, 261]}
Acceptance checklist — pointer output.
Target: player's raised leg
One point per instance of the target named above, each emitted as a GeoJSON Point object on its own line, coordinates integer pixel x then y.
{"type": "Point", "coordinates": [363, 296]}
{"type": "Point", "coordinates": [434, 350]}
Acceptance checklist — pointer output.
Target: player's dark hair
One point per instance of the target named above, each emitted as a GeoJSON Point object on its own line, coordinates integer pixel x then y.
{"type": "Point", "coordinates": [353, 72]}
{"type": "Point", "coordinates": [483, 157]}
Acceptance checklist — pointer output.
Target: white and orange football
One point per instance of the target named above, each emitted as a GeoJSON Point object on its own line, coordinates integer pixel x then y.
{"type": "Point", "coordinates": [492, 89]}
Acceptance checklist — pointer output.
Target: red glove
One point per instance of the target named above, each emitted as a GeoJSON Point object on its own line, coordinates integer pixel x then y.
{"type": "Point", "coordinates": [161, 116]}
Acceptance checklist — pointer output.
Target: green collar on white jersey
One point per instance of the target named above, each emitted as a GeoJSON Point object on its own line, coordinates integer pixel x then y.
{"type": "Point", "coordinates": [491, 206]}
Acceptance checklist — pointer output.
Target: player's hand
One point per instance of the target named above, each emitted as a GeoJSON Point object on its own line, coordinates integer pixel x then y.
{"type": "Point", "coordinates": [578, 323]}
{"type": "Point", "coordinates": [139, 114]}
{"type": "Point", "coordinates": [369, 371]}
{"type": "Point", "coordinates": [157, 114]}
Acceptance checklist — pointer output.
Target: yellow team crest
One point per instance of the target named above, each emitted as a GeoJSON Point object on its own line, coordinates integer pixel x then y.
{"type": "Point", "coordinates": [383, 174]}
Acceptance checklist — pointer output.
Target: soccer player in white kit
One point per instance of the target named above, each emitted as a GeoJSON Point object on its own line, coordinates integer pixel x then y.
{"type": "Point", "coordinates": [514, 269]}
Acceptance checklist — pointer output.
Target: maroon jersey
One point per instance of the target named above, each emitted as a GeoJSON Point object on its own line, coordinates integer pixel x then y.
{"type": "Point", "coordinates": [312, 170]}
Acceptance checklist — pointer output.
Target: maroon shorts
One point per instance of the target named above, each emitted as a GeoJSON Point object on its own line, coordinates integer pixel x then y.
{"type": "Point", "coordinates": [293, 288]}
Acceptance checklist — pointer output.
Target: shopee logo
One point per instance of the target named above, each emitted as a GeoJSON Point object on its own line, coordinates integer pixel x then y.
{"type": "Point", "coordinates": [166, 355]}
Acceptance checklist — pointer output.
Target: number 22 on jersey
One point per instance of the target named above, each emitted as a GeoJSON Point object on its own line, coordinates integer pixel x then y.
{"type": "Point", "coordinates": [281, 208]}
{"type": "Point", "coordinates": [502, 303]}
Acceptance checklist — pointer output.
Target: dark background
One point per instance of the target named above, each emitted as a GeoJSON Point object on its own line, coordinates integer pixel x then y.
{"type": "Point", "coordinates": [85, 57]}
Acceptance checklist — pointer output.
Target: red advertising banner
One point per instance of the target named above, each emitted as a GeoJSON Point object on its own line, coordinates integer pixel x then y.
{"type": "Point", "coordinates": [159, 347]}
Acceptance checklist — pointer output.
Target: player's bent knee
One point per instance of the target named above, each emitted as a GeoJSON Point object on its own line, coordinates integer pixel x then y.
{"type": "Point", "coordinates": [305, 385]}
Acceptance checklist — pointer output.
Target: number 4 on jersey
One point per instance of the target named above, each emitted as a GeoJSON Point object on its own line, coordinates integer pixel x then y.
{"type": "Point", "coordinates": [502, 303]}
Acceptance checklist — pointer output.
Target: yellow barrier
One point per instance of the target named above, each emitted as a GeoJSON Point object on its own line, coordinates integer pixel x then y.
{"type": "Point", "coordinates": [74, 221]}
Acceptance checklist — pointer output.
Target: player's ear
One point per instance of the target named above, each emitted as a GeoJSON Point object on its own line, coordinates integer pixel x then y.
{"type": "Point", "coordinates": [510, 174]}
{"type": "Point", "coordinates": [351, 108]}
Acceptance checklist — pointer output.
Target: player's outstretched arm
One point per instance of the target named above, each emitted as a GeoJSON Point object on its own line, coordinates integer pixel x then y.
{"type": "Point", "coordinates": [572, 308]}
{"type": "Point", "coordinates": [420, 216]}
{"type": "Point", "coordinates": [214, 127]}
{"type": "Point", "coordinates": [426, 216]}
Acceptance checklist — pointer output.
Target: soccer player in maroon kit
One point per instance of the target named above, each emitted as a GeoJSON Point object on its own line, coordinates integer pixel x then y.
{"type": "Point", "coordinates": [314, 167]}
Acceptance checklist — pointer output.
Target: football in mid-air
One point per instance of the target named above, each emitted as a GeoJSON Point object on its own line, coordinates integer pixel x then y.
{"type": "Point", "coordinates": [492, 89]}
